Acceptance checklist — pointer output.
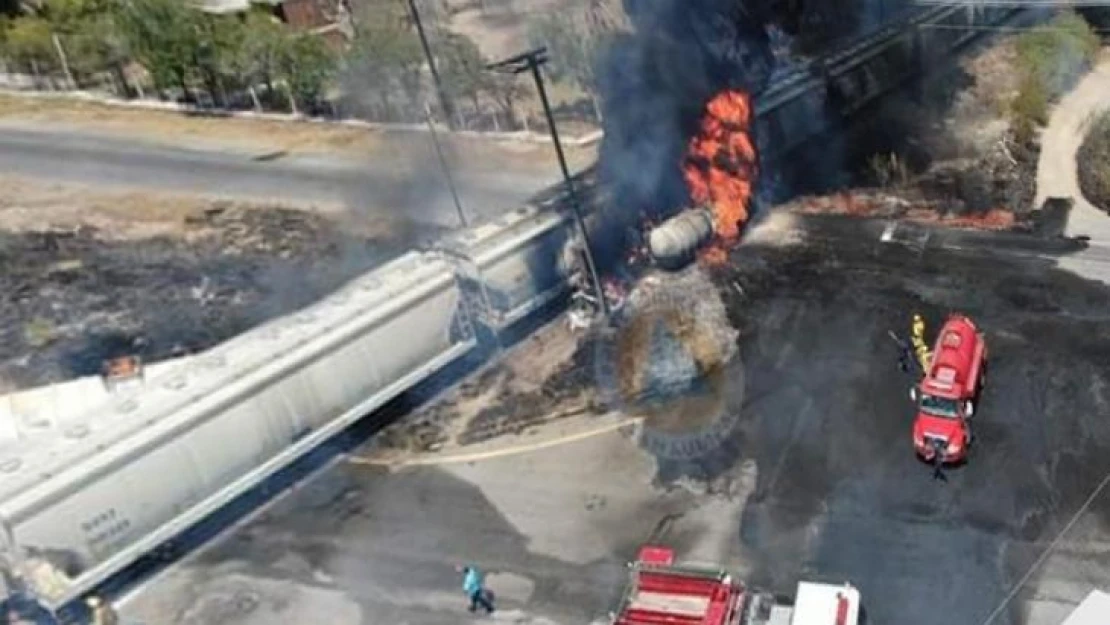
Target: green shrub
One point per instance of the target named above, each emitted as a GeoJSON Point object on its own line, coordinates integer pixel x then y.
{"type": "Point", "coordinates": [1094, 163]}
{"type": "Point", "coordinates": [1031, 102]}
{"type": "Point", "coordinates": [1051, 58]}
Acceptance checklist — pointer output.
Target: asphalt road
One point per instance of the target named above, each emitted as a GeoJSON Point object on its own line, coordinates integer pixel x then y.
{"type": "Point", "coordinates": [810, 473]}
{"type": "Point", "coordinates": [408, 181]}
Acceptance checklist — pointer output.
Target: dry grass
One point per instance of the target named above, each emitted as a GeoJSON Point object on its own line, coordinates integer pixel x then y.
{"type": "Point", "coordinates": [266, 136]}
{"type": "Point", "coordinates": [32, 205]}
{"type": "Point", "coordinates": [980, 115]}
{"type": "Point", "coordinates": [177, 128]}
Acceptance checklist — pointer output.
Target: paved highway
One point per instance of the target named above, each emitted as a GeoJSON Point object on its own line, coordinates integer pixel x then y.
{"type": "Point", "coordinates": [409, 179]}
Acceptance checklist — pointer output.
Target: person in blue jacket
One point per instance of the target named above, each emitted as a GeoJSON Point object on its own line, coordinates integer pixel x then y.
{"type": "Point", "coordinates": [472, 586]}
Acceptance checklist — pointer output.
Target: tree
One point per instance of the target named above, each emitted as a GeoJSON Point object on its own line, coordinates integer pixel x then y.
{"type": "Point", "coordinates": [386, 56]}
{"type": "Point", "coordinates": [576, 38]}
{"type": "Point", "coordinates": [217, 55]}
{"type": "Point", "coordinates": [5, 23]}
{"type": "Point", "coordinates": [259, 56]}
{"type": "Point", "coordinates": [307, 66]}
{"type": "Point", "coordinates": [164, 36]}
{"type": "Point", "coordinates": [1055, 56]}
{"type": "Point", "coordinates": [506, 91]}
{"type": "Point", "coordinates": [27, 41]}
{"type": "Point", "coordinates": [88, 32]}
{"type": "Point", "coordinates": [463, 69]}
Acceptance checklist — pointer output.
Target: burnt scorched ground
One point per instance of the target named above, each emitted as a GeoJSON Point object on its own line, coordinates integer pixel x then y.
{"type": "Point", "coordinates": [76, 296]}
{"type": "Point", "coordinates": [827, 419]}
{"type": "Point", "coordinates": [545, 378]}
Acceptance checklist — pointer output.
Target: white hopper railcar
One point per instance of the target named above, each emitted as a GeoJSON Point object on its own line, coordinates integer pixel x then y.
{"type": "Point", "coordinates": [512, 266]}
{"type": "Point", "coordinates": [82, 504]}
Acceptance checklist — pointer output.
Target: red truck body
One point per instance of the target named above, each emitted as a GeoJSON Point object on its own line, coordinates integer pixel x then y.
{"type": "Point", "coordinates": [661, 593]}
{"type": "Point", "coordinates": [946, 396]}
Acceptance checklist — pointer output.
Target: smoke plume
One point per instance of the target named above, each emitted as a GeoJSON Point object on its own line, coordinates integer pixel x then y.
{"type": "Point", "coordinates": [655, 82]}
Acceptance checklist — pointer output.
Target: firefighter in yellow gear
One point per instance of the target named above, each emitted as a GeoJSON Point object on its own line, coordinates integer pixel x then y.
{"type": "Point", "coordinates": [917, 337]}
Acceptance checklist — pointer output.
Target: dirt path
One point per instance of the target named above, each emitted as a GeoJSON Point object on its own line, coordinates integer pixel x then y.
{"type": "Point", "coordinates": [1057, 173]}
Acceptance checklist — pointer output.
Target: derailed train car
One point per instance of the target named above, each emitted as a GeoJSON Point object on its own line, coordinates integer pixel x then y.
{"type": "Point", "coordinates": [513, 266]}
{"type": "Point", "coordinates": [82, 504]}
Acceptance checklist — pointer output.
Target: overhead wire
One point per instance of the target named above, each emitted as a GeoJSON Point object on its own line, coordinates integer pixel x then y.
{"type": "Point", "coordinates": [1048, 551]}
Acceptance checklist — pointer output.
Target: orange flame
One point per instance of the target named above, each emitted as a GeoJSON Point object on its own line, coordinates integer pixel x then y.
{"type": "Point", "coordinates": [721, 166]}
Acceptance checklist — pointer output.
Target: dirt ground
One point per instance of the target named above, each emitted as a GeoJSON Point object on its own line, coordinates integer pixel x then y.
{"type": "Point", "coordinates": [544, 378]}
{"type": "Point", "coordinates": [91, 274]}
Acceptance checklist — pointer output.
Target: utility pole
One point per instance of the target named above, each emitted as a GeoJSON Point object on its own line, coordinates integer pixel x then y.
{"type": "Point", "coordinates": [444, 101]}
{"type": "Point", "coordinates": [531, 61]}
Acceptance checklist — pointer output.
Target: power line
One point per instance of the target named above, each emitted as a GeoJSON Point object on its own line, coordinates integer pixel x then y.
{"type": "Point", "coordinates": [1044, 555]}
{"type": "Point", "coordinates": [1006, 29]}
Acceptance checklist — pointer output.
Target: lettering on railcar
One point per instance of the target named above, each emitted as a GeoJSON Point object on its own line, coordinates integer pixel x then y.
{"type": "Point", "coordinates": [106, 531]}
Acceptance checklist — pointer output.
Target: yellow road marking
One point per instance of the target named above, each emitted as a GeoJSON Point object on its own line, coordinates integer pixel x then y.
{"type": "Point", "coordinates": [495, 453]}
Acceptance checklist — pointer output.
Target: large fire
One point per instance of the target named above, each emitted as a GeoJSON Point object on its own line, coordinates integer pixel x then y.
{"type": "Point", "coordinates": [721, 166]}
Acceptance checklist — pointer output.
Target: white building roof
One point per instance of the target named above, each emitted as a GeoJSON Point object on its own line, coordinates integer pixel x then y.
{"type": "Point", "coordinates": [1095, 610]}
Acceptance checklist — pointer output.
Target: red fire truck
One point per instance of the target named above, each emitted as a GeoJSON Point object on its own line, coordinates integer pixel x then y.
{"type": "Point", "coordinates": [661, 592]}
{"type": "Point", "coordinates": [947, 394]}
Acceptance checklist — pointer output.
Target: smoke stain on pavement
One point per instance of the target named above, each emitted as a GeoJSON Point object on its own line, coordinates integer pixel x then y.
{"type": "Point", "coordinates": [839, 493]}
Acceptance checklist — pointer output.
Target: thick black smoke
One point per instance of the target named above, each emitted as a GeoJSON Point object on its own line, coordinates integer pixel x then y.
{"type": "Point", "coordinates": [655, 82]}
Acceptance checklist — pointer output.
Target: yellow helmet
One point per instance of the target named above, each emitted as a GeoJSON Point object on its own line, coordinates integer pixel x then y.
{"type": "Point", "coordinates": [93, 602]}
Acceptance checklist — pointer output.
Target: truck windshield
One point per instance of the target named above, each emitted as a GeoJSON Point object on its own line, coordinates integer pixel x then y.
{"type": "Point", "coordinates": [939, 406]}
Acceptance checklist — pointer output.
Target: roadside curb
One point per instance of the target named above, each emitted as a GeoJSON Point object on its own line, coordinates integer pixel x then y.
{"type": "Point", "coordinates": [522, 136]}
{"type": "Point", "coordinates": [494, 451]}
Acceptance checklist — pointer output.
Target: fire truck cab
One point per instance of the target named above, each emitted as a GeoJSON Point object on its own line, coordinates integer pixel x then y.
{"type": "Point", "coordinates": [947, 395]}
